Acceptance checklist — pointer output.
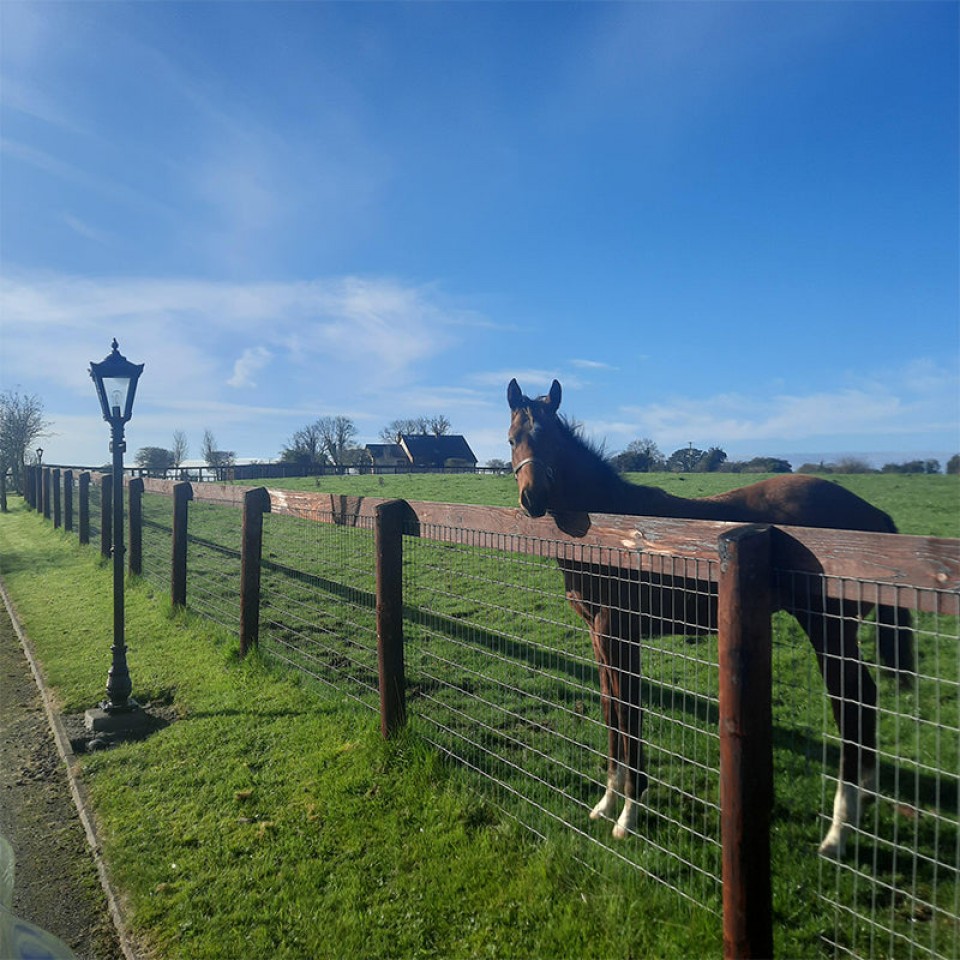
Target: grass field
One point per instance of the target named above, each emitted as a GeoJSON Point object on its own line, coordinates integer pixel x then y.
{"type": "Point", "coordinates": [501, 675]}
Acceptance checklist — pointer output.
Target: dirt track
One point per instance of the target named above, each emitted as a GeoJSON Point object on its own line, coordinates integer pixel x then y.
{"type": "Point", "coordinates": [57, 886]}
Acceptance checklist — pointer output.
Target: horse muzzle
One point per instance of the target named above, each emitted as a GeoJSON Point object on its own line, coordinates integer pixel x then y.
{"type": "Point", "coordinates": [535, 486]}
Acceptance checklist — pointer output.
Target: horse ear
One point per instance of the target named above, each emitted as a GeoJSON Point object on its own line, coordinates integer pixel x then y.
{"type": "Point", "coordinates": [555, 394]}
{"type": "Point", "coordinates": [514, 394]}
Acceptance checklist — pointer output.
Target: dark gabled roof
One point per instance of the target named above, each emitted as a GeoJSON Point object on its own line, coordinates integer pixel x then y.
{"type": "Point", "coordinates": [430, 451]}
{"type": "Point", "coordinates": [385, 451]}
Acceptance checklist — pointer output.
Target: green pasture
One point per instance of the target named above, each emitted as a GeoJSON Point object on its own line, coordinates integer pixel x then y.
{"type": "Point", "coordinates": [272, 806]}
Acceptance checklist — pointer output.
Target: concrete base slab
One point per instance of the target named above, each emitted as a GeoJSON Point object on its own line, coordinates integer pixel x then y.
{"type": "Point", "coordinates": [132, 720]}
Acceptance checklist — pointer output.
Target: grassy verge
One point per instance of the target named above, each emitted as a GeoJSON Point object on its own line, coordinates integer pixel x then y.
{"type": "Point", "coordinates": [272, 821]}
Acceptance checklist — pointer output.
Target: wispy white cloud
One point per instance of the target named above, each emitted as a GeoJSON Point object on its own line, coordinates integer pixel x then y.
{"type": "Point", "coordinates": [327, 334]}
{"type": "Point", "coordinates": [250, 361]}
{"type": "Point", "coordinates": [592, 365]}
{"type": "Point", "coordinates": [923, 401]}
{"type": "Point", "coordinates": [85, 229]}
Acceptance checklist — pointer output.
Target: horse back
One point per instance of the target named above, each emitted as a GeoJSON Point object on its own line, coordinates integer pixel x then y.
{"type": "Point", "coordinates": [802, 501]}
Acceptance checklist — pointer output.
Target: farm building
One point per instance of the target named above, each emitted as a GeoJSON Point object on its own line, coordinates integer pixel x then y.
{"type": "Point", "coordinates": [423, 450]}
{"type": "Point", "coordinates": [386, 455]}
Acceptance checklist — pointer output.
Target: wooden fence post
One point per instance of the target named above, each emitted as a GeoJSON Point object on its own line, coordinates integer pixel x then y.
{"type": "Point", "coordinates": [389, 559]}
{"type": "Point", "coordinates": [106, 514]}
{"type": "Point", "coordinates": [135, 563]}
{"type": "Point", "coordinates": [45, 481]}
{"type": "Point", "coordinates": [68, 500]}
{"type": "Point", "coordinates": [746, 751]}
{"type": "Point", "coordinates": [255, 504]}
{"type": "Point", "coordinates": [57, 512]}
{"type": "Point", "coordinates": [182, 495]}
{"type": "Point", "coordinates": [83, 504]}
{"type": "Point", "coordinates": [38, 488]}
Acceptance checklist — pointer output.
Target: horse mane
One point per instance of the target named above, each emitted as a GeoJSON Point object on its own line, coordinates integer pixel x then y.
{"type": "Point", "coordinates": [574, 433]}
{"type": "Point", "coordinates": [591, 476]}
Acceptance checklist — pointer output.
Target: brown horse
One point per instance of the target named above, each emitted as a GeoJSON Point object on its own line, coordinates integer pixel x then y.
{"type": "Point", "coordinates": [558, 472]}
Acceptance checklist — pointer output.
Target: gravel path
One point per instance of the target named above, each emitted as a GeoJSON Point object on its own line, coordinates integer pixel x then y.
{"type": "Point", "coordinates": [57, 886]}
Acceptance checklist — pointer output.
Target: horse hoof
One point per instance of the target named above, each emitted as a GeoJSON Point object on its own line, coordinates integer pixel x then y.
{"type": "Point", "coordinates": [600, 811]}
{"type": "Point", "coordinates": [831, 849]}
{"type": "Point", "coordinates": [620, 832]}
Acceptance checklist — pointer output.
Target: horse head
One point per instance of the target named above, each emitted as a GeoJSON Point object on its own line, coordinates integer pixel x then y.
{"type": "Point", "coordinates": [533, 437]}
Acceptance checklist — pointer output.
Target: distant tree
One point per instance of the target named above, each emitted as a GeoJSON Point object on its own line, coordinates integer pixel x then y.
{"type": "Point", "coordinates": [155, 459]}
{"type": "Point", "coordinates": [711, 461]}
{"type": "Point", "coordinates": [395, 428]}
{"type": "Point", "coordinates": [437, 426]}
{"type": "Point", "coordinates": [21, 425]}
{"type": "Point", "coordinates": [180, 449]}
{"type": "Point", "coordinates": [495, 463]}
{"type": "Point", "coordinates": [953, 464]}
{"type": "Point", "coordinates": [336, 436]}
{"type": "Point", "coordinates": [640, 456]}
{"type": "Point", "coordinates": [305, 446]}
{"type": "Point", "coordinates": [852, 465]}
{"type": "Point", "coordinates": [218, 459]}
{"type": "Point", "coordinates": [758, 465]}
{"type": "Point", "coordinates": [685, 459]}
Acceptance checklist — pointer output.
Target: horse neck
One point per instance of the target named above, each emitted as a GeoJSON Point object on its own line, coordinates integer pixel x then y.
{"type": "Point", "coordinates": [653, 502]}
{"type": "Point", "coordinates": [593, 487]}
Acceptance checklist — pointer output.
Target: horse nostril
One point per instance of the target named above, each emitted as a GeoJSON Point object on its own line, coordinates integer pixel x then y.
{"type": "Point", "coordinates": [531, 505]}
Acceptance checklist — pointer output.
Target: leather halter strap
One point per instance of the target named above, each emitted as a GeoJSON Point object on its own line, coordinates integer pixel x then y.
{"type": "Point", "coordinates": [523, 463]}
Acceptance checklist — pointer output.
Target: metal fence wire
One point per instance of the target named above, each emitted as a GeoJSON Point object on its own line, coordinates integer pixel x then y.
{"type": "Point", "coordinates": [318, 601]}
{"type": "Point", "coordinates": [157, 537]}
{"type": "Point", "coordinates": [501, 677]}
{"type": "Point", "coordinates": [214, 562]}
{"type": "Point", "coordinates": [895, 892]}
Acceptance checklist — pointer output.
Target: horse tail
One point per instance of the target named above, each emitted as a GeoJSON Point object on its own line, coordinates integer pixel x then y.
{"type": "Point", "coordinates": [895, 641]}
{"type": "Point", "coordinates": [895, 633]}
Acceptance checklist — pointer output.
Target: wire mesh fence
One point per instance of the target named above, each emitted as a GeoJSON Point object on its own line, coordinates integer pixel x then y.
{"type": "Point", "coordinates": [213, 564]}
{"type": "Point", "coordinates": [896, 890]}
{"type": "Point", "coordinates": [318, 606]}
{"type": "Point", "coordinates": [157, 537]}
{"type": "Point", "coordinates": [502, 678]}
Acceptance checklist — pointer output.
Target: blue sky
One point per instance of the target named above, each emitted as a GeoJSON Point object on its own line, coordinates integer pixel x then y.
{"type": "Point", "coordinates": [729, 224]}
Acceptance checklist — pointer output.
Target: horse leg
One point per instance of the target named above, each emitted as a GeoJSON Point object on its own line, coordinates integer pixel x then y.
{"type": "Point", "coordinates": [853, 698]}
{"type": "Point", "coordinates": [615, 770]}
{"type": "Point", "coordinates": [627, 705]}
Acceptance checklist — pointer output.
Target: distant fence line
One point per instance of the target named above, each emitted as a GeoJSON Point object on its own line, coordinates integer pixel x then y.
{"type": "Point", "coordinates": [274, 471]}
{"type": "Point", "coordinates": [443, 610]}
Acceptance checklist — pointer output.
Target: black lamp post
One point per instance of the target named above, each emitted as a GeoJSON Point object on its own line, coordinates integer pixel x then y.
{"type": "Point", "coordinates": [116, 379]}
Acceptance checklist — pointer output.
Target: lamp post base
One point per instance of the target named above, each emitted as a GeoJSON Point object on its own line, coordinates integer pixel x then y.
{"type": "Point", "coordinates": [109, 718]}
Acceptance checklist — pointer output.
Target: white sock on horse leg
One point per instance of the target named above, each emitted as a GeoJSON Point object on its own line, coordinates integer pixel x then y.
{"type": "Point", "coordinates": [846, 817]}
{"type": "Point", "coordinates": [627, 822]}
{"type": "Point", "coordinates": [608, 803]}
